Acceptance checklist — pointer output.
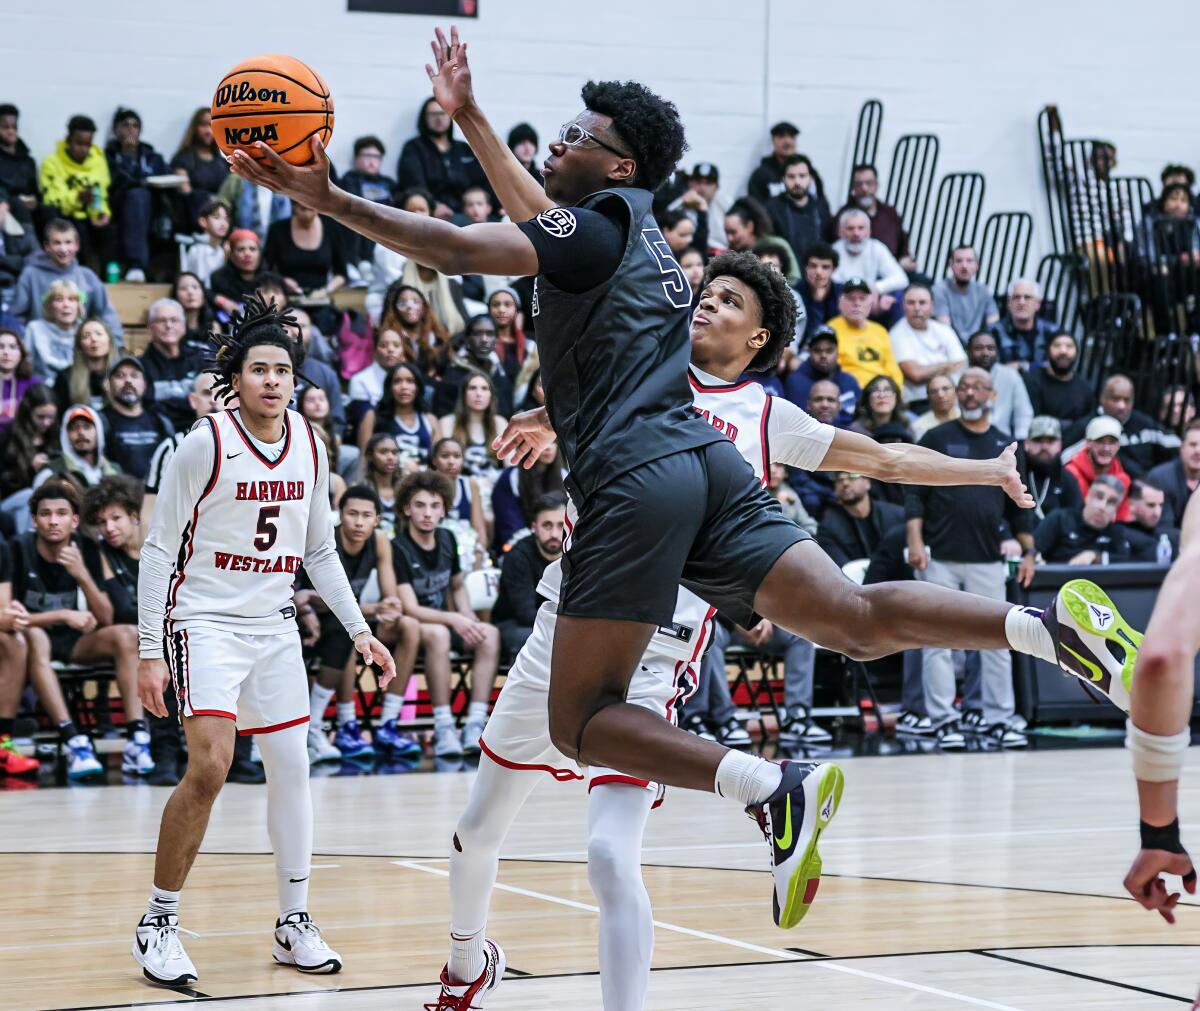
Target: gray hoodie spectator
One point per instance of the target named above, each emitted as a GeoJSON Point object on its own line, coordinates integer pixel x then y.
{"type": "Point", "coordinates": [82, 460]}
{"type": "Point", "coordinates": [42, 270]}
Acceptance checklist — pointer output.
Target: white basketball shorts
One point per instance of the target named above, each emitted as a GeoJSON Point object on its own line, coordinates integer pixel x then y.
{"type": "Point", "coordinates": [259, 681]}
{"type": "Point", "coordinates": [518, 731]}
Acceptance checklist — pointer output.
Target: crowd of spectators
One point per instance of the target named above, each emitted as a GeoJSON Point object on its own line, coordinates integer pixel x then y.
{"type": "Point", "coordinates": [443, 542]}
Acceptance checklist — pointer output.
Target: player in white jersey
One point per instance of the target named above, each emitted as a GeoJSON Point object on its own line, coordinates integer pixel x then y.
{"type": "Point", "coordinates": [234, 521]}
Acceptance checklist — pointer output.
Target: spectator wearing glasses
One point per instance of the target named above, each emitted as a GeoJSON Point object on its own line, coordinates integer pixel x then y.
{"type": "Point", "coordinates": [854, 524]}
{"type": "Point", "coordinates": [433, 160]}
{"type": "Point", "coordinates": [170, 369]}
{"type": "Point", "coordinates": [960, 301]}
{"type": "Point", "coordinates": [886, 225]}
{"type": "Point", "coordinates": [1022, 334]}
{"type": "Point", "coordinates": [1011, 410]}
{"type": "Point", "coordinates": [1087, 534]}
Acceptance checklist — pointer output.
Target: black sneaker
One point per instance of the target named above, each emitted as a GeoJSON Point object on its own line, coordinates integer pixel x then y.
{"type": "Point", "coordinates": [732, 734]}
{"type": "Point", "coordinates": [695, 724]}
{"type": "Point", "coordinates": [914, 724]}
{"type": "Point", "coordinates": [950, 738]}
{"type": "Point", "coordinates": [972, 722]}
{"type": "Point", "coordinates": [1006, 737]}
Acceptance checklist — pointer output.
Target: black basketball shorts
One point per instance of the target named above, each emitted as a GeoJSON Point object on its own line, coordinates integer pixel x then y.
{"type": "Point", "coordinates": [699, 518]}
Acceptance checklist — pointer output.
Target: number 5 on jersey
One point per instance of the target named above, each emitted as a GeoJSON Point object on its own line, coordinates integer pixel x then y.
{"type": "Point", "coordinates": [675, 283]}
{"type": "Point", "coordinates": [268, 528]}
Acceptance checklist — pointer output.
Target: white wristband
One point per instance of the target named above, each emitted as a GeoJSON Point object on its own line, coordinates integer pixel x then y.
{"type": "Point", "coordinates": [1157, 759]}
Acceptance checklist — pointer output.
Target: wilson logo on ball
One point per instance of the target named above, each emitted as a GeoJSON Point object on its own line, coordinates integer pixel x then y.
{"type": "Point", "coordinates": [249, 134]}
{"type": "Point", "coordinates": [243, 91]}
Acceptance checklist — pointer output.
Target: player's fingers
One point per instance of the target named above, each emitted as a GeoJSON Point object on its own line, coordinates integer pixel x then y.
{"type": "Point", "coordinates": [271, 162]}
{"type": "Point", "coordinates": [454, 36]}
{"type": "Point", "coordinates": [1189, 880]}
{"type": "Point", "coordinates": [442, 44]}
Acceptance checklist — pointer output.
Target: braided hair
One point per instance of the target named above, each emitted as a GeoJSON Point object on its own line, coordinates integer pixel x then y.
{"type": "Point", "coordinates": [259, 323]}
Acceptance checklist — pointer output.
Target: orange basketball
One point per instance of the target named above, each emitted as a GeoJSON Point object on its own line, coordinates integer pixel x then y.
{"type": "Point", "coordinates": [275, 99]}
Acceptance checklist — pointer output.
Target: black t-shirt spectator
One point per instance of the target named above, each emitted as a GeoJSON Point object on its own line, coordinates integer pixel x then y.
{"type": "Point", "coordinates": [845, 537]}
{"type": "Point", "coordinates": [518, 599]}
{"type": "Point", "coordinates": [122, 586]}
{"type": "Point", "coordinates": [1066, 401]}
{"type": "Point", "coordinates": [445, 174]}
{"type": "Point", "coordinates": [309, 268]}
{"type": "Point", "coordinates": [170, 380]}
{"type": "Point", "coordinates": [46, 586]}
{"type": "Point", "coordinates": [62, 392]}
{"type": "Point", "coordinates": [227, 282]}
{"type": "Point", "coordinates": [205, 174]}
{"type": "Point", "coordinates": [967, 523]}
{"type": "Point", "coordinates": [1063, 534]}
{"type": "Point", "coordinates": [130, 442]}
{"type": "Point", "coordinates": [428, 572]}
{"type": "Point", "coordinates": [1053, 489]}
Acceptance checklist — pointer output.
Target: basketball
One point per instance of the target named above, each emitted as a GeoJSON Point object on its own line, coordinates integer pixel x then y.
{"type": "Point", "coordinates": [275, 99]}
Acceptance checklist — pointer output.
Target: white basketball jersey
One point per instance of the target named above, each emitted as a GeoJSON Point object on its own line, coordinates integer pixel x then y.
{"type": "Point", "coordinates": [741, 411]}
{"type": "Point", "coordinates": [240, 553]}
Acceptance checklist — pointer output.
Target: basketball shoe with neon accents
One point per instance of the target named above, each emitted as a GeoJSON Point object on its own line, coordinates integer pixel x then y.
{"type": "Point", "coordinates": [469, 996]}
{"type": "Point", "coordinates": [792, 820]}
{"type": "Point", "coordinates": [1092, 641]}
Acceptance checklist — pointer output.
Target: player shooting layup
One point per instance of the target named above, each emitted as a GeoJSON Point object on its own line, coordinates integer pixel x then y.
{"type": "Point", "coordinates": [652, 480]}
{"type": "Point", "coordinates": [243, 504]}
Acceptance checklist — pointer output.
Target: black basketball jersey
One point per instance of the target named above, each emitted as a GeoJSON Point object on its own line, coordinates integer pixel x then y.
{"type": "Point", "coordinates": [614, 359]}
{"type": "Point", "coordinates": [359, 567]}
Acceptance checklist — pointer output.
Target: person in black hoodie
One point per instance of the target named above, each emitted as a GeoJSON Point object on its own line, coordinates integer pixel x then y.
{"type": "Point", "coordinates": [797, 215]}
{"type": "Point", "coordinates": [365, 180]}
{"type": "Point", "coordinates": [170, 369]}
{"type": "Point", "coordinates": [853, 525]}
{"type": "Point", "coordinates": [766, 181]}
{"type": "Point", "coordinates": [523, 143]}
{"type": "Point", "coordinates": [1049, 483]}
{"type": "Point", "coordinates": [16, 241]}
{"type": "Point", "coordinates": [131, 162]}
{"type": "Point", "coordinates": [18, 171]}
{"type": "Point", "coordinates": [518, 601]}
{"type": "Point", "coordinates": [433, 160]}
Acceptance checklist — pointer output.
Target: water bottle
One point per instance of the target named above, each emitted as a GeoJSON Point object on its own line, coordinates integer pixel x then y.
{"type": "Point", "coordinates": [112, 273]}
{"type": "Point", "coordinates": [1163, 553]}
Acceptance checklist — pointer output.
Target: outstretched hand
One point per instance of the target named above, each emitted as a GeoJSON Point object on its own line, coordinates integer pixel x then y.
{"type": "Point", "coordinates": [450, 74]}
{"type": "Point", "coordinates": [524, 438]}
{"type": "Point", "coordinates": [1144, 880]}
{"type": "Point", "coordinates": [307, 184]}
{"type": "Point", "coordinates": [1011, 480]}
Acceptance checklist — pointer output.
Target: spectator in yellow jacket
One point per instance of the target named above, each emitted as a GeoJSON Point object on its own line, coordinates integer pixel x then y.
{"type": "Point", "coordinates": [864, 347]}
{"type": "Point", "coordinates": [75, 181]}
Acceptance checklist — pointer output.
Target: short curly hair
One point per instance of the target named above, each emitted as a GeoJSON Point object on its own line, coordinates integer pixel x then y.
{"type": "Point", "coordinates": [115, 489]}
{"type": "Point", "coordinates": [650, 125]}
{"type": "Point", "coordinates": [777, 307]}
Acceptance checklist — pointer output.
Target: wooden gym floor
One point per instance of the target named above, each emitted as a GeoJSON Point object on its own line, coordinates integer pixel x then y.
{"type": "Point", "coordinates": [978, 880]}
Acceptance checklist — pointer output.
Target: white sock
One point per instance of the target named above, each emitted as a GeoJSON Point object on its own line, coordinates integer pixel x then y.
{"type": "Point", "coordinates": [466, 960]}
{"type": "Point", "coordinates": [748, 779]}
{"type": "Point", "coordinates": [1026, 633]}
{"type": "Point", "coordinates": [442, 716]}
{"type": "Point", "coordinates": [162, 902]}
{"type": "Point", "coordinates": [477, 712]}
{"type": "Point", "coordinates": [318, 702]}
{"type": "Point", "coordinates": [346, 713]}
{"type": "Point", "coordinates": [392, 704]}
{"type": "Point", "coordinates": [289, 814]}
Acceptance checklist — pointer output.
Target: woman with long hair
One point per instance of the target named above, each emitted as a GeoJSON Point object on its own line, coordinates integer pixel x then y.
{"type": "Point", "coordinates": [198, 317]}
{"type": "Point", "coordinates": [406, 311]}
{"type": "Point", "coordinates": [443, 293]}
{"type": "Point", "coordinates": [313, 403]}
{"type": "Point", "coordinates": [475, 425]}
{"type": "Point", "coordinates": [447, 460]}
{"type": "Point", "coordinates": [399, 413]}
{"type": "Point", "coordinates": [30, 441]}
{"type": "Point", "coordinates": [51, 339]}
{"type": "Point", "coordinates": [86, 381]}
{"type": "Point", "coordinates": [504, 306]}
{"type": "Point", "coordinates": [528, 393]}
{"type": "Point", "coordinates": [880, 404]}
{"type": "Point", "coordinates": [380, 468]}
{"type": "Point", "coordinates": [16, 375]}
{"type": "Point", "coordinates": [200, 160]}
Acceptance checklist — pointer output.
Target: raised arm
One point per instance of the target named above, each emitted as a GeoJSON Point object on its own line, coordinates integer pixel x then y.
{"type": "Point", "coordinates": [520, 195]}
{"type": "Point", "coordinates": [475, 249]}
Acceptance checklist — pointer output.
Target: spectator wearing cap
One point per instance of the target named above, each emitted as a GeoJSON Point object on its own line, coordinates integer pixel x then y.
{"type": "Point", "coordinates": [132, 431]}
{"type": "Point", "coordinates": [75, 181]}
{"type": "Point", "coordinates": [766, 181]}
{"type": "Point", "coordinates": [18, 170]}
{"type": "Point", "coordinates": [1049, 483]}
{"type": "Point", "coordinates": [923, 347]}
{"type": "Point", "coordinates": [797, 214]}
{"type": "Point", "coordinates": [1011, 410]}
{"type": "Point", "coordinates": [1145, 528]}
{"type": "Point", "coordinates": [16, 243]}
{"type": "Point", "coordinates": [860, 255]}
{"type": "Point", "coordinates": [817, 289]}
{"type": "Point", "coordinates": [366, 180]}
{"type": "Point", "coordinates": [964, 528]}
{"type": "Point", "coordinates": [1087, 534]}
{"type": "Point", "coordinates": [885, 219]}
{"type": "Point", "coordinates": [822, 364]}
{"type": "Point", "coordinates": [703, 198]}
{"type": "Point", "coordinates": [1179, 478]}
{"type": "Point", "coordinates": [1022, 334]}
{"type": "Point", "coordinates": [81, 460]}
{"type": "Point", "coordinates": [959, 300]}
{"type": "Point", "coordinates": [131, 162]}
{"type": "Point", "coordinates": [1144, 442]}
{"type": "Point", "coordinates": [1056, 388]}
{"type": "Point", "coordinates": [864, 347]}
{"type": "Point", "coordinates": [523, 143]}
{"type": "Point", "coordinates": [1099, 456]}
{"type": "Point", "coordinates": [170, 368]}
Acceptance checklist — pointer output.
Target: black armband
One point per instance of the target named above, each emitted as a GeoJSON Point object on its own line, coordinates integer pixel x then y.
{"type": "Point", "coordinates": [1162, 837]}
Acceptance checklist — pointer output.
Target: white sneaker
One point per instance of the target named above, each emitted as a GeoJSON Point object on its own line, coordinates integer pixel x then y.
{"type": "Point", "coordinates": [321, 748]}
{"type": "Point", "coordinates": [158, 950]}
{"type": "Point", "coordinates": [472, 732]}
{"type": "Point", "coordinates": [136, 757]}
{"type": "Point", "coordinates": [135, 275]}
{"type": "Point", "coordinates": [298, 942]}
{"type": "Point", "coordinates": [82, 763]}
{"type": "Point", "coordinates": [446, 741]}
{"type": "Point", "coordinates": [456, 996]}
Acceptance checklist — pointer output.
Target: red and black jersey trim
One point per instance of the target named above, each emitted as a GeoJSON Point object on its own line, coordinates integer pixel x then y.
{"type": "Point", "coordinates": [312, 441]}
{"type": "Point", "coordinates": [723, 388]}
{"type": "Point", "coordinates": [765, 440]}
{"type": "Point", "coordinates": [188, 539]}
{"type": "Point", "coordinates": [287, 440]}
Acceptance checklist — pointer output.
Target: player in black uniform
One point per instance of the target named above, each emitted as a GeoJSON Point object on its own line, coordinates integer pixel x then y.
{"type": "Point", "coordinates": [663, 498]}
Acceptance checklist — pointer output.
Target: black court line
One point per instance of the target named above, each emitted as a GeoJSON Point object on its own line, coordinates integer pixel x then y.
{"type": "Point", "coordinates": [810, 954]}
{"type": "Point", "coordinates": [1084, 975]}
{"type": "Point", "coordinates": [517, 972]}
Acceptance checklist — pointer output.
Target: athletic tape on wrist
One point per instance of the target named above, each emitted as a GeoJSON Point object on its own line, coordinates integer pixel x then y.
{"type": "Point", "coordinates": [1156, 758]}
{"type": "Point", "coordinates": [1162, 837]}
